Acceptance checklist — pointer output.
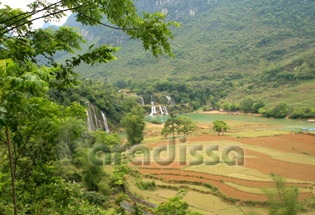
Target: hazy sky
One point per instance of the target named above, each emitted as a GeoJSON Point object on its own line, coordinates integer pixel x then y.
{"type": "Point", "coordinates": [22, 4]}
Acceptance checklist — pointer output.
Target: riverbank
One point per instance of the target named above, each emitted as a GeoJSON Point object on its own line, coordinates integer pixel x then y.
{"type": "Point", "coordinates": [228, 113]}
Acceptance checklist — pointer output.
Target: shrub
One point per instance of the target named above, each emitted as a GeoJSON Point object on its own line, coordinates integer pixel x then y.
{"type": "Point", "coordinates": [146, 185]}
{"type": "Point", "coordinates": [95, 198]}
{"type": "Point", "coordinates": [246, 105]}
{"type": "Point", "coordinates": [281, 110]}
{"type": "Point", "coordinates": [303, 112]}
{"type": "Point", "coordinates": [155, 121]}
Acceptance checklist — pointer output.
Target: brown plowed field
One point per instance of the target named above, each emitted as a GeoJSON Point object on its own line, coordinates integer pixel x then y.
{"type": "Point", "coordinates": [227, 190]}
{"type": "Point", "coordinates": [293, 143]}
{"type": "Point", "coordinates": [248, 183]}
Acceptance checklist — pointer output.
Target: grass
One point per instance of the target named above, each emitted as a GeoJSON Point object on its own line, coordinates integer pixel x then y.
{"type": "Point", "coordinates": [209, 204]}
{"type": "Point", "coordinates": [258, 133]}
{"type": "Point", "coordinates": [295, 96]}
{"type": "Point", "coordinates": [258, 190]}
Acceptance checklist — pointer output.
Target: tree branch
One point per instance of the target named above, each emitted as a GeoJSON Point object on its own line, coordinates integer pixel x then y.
{"type": "Point", "coordinates": [29, 15]}
{"type": "Point", "coordinates": [116, 28]}
{"type": "Point", "coordinates": [47, 15]}
{"type": "Point", "coordinates": [24, 144]}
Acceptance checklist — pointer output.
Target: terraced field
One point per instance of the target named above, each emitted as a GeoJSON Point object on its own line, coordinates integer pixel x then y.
{"type": "Point", "coordinates": [223, 189]}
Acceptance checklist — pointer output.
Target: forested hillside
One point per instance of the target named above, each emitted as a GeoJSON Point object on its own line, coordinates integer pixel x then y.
{"type": "Point", "coordinates": [215, 36]}
{"type": "Point", "coordinates": [246, 46]}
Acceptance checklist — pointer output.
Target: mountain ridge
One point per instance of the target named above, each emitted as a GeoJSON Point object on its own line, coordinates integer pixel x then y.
{"type": "Point", "coordinates": [217, 40]}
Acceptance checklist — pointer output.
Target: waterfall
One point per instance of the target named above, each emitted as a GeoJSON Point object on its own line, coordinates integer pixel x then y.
{"type": "Point", "coordinates": [105, 122]}
{"type": "Point", "coordinates": [90, 118]}
{"type": "Point", "coordinates": [95, 117]}
{"type": "Point", "coordinates": [170, 101]}
{"type": "Point", "coordinates": [152, 102]}
{"type": "Point", "coordinates": [165, 110]}
{"type": "Point", "coordinates": [89, 121]}
{"type": "Point", "coordinates": [93, 121]}
{"type": "Point", "coordinates": [141, 99]}
{"type": "Point", "coordinates": [153, 108]}
{"type": "Point", "coordinates": [161, 110]}
{"type": "Point", "coordinates": [153, 111]}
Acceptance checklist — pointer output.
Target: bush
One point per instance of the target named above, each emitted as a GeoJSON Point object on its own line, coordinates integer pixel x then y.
{"type": "Point", "coordinates": [281, 110]}
{"type": "Point", "coordinates": [257, 106]}
{"type": "Point", "coordinates": [303, 112]}
{"type": "Point", "coordinates": [146, 185]}
{"type": "Point", "coordinates": [155, 121]}
{"type": "Point", "coordinates": [95, 198]}
{"type": "Point", "coordinates": [246, 105]}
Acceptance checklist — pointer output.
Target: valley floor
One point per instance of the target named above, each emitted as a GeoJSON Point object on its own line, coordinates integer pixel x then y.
{"type": "Point", "coordinates": [290, 155]}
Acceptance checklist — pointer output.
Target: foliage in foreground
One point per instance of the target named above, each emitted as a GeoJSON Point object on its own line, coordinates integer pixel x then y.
{"type": "Point", "coordinates": [174, 206]}
{"type": "Point", "coordinates": [283, 200]}
{"type": "Point", "coordinates": [32, 127]}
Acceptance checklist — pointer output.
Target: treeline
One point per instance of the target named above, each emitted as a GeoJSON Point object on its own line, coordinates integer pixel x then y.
{"type": "Point", "coordinates": [182, 92]}
{"type": "Point", "coordinates": [209, 89]}
{"type": "Point", "coordinates": [280, 110]}
{"type": "Point", "coordinates": [246, 106]}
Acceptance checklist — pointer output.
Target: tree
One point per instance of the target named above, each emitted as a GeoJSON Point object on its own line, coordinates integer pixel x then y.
{"type": "Point", "coordinates": [283, 200]}
{"type": "Point", "coordinates": [25, 115]}
{"type": "Point", "coordinates": [180, 125]}
{"type": "Point", "coordinates": [170, 125]}
{"type": "Point", "coordinates": [246, 105]}
{"type": "Point", "coordinates": [220, 126]}
{"type": "Point", "coordinates": [185, 125]}
{"type": "Point", "coordinates": [174, 206]}
{"type": "Point", "coordinates": [257, 106]}
{"type": "Point", "coordinates": [29, 121]}
{"type": "Point", "coordinates": [134, 125]}
{"type": "Point", "coordinates": [281, 110]}
{"type": "Point", "coordinates": [226, 106]}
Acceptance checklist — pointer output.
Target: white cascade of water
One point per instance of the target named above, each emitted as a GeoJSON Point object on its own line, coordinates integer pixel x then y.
{"type": "Point", "coordinates": [153, 111]}
{"type": "Point", "coordinates": [161, 110]}
{"type": "Point", "coordinates": [153, 108]}
{"type": "Point", "coordinates": [165, 110]}
{"type": "Point", "coordinates": [141, 99]}
{"type": "Point", "coordinates": [95, 117]}
{"type": "Point", "coordinates": [105, 122]}
{"type": "Point", "coordinates": [152, 102]}
{"type": "Point", "coordinates": [88, 121]}
{"type": "Point", "coordinates": [93, 121]}
{"type": "Point", "coordinates": [170, 101]}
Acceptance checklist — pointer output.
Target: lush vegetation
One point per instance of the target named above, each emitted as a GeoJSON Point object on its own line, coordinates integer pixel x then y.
{"type": "Point", "coordinates": [174, 206]}
{"type": "Point", "coordinates": [44, 145]}
{"type": "Point", "coordinates": [134, 125]}
{"type": "Point", "coordinates": [180, 125]}
{"type": "Point", "coordinates": [220, 126]}
{"type": "Point", "coordinates": [51, 164]}
{"type": "Point", "coordinates": [223, 53]}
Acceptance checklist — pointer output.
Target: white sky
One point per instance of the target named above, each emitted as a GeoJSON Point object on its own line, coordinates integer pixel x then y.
{"type": "Point", "coordinates": [22, 4]}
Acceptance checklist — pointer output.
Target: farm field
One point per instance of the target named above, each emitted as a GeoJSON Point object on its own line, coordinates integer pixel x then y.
{"type": "Point", "coordinates": [269, 147]}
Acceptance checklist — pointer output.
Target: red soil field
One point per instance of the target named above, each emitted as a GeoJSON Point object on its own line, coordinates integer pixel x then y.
{"type": "Point", "coordinates": [262, 163]}
{"type": "Point", "coordinates": [227, 190]}
{"type": "Point", "coordinates": [267, 165]}
{"type": "Point", "coordinates": [295, 143]}
{"type": "Point", "coordinates": [244, 182]}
